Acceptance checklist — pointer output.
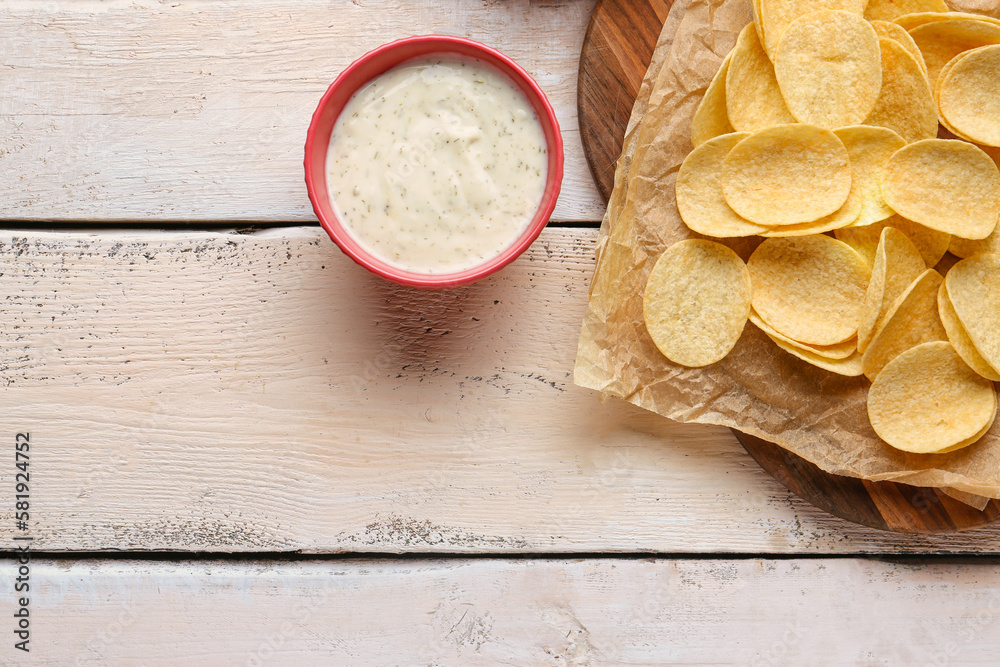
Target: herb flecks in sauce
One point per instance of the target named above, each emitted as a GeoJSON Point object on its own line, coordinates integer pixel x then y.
{"type": "Point", "coordinates": [453, 160]}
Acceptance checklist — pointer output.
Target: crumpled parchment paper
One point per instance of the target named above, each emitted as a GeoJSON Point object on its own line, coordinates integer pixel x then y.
{"type": "Point", "coordinates": [758, 388]}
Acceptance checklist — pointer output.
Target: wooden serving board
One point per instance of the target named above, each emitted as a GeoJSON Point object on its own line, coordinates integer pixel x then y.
{"type": "Point", "coordinates": [616, 52]}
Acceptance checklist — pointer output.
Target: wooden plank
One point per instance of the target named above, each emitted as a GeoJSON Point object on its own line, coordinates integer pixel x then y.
{"type": "Point", "coordinates": [225, 392]}
{"type": "Point", "coordinates": [150, 111]}
{"type": "Point", "coordinates": [516, 612]}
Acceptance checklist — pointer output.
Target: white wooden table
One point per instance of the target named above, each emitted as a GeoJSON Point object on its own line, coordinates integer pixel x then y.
{"type": "Point", "coordinates": [245, 450]}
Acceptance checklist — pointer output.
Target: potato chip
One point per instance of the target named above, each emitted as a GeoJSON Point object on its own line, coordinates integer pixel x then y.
{"type": "Point", "coordinates": [967, 248]}
{"type": "Point", "coordinates": [913, 319]}
{"type": "Point", "coordinates": [970, 96]}
{"type": "Point", "coordinates": [839, 351]}
{"type": "Point", "coordinates": [906, 104]}
{"type": "Point", "coordinates": [894, 31]}
{"type": "Point", "coordinates": [756, 21]}
{"type": "Point", "coordinates": [931, 243]}
{"type": "Point", "coordinates": [787, 175]}
{"type": "Point", "coordinates": [974, 291]}
{"type": "Point", "coordinates": [699, 191]}
{"type": "Point", "coordinates": [897, 264]}
{"type": "Point", "coordinates": [959, 337]}
{"type": "Point", "coordinates": [829, 68]}
{"type": "Point", "coordinates": [887, 10]}
{"type": "Point", "coordinates": [948, 132]}
{"type": "Point", "coordinates": [753, 99]}
{"type": "Point", "coordinates": [928, 400]}
{"type": "Point", "coordinates": [941, 41]}
{"type": "Point", "coordinates": [712, 119]}
{"type": "Point", "coordinates": [910, 21]}
{"type": "Point", "coordinates": [947, 185]}
{"type": "Point", "coordinates": [810, 289]}
{"type": "Point", "coordinates": [846, 215]}
{"type": "Point", "coordinates": [869, 149]}
{"type": "Point", "coordinates": [777, 15]}
{"type": "Point", "coordinates": [850, 366]}
{"type": "Point", "coordinates": [696, 302]}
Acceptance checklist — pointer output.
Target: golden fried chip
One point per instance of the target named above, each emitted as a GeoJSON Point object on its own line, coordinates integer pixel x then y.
{"type": "Point", "coordinates": [906, 104]}
{"type": "Point", "coordinates": [849, 366]}
{"type": "Point", "coordinates": [753, 99]}
{"type": "Point", "coordinates": [894, 31]}
{"type": "Point", "coordinates": [928, 400]}
{"type": "Point", "coordinates": [910, 21]}
{"type": "Point", "coordinates": [869, 149]}
{"type": "Point", "coordinates": [829, 68]}
{"type": "Point", "coordinates": [888, 10]}
{"type": "Point", "coordinates": [834, 352]}
{"type": "Point", "coordinates": [810, 289]}
{"type": "Point", "coordinates": [970, 96]}
{"type": "Point", "coordinates": [974, 291]}
{"type": "Point", "coordinates": [948, 185]}
{"type": "Point", "coordinates": [787, 175]}
{"type": "Point", "coordinates": [931, 243]}
{"type": "Point", "coordinates": [757, 22]}
{"type": "Point", "coordinates": [897, 264]}
{"type": "Point", "coordinates": [712, 119]}
{"type": "Point", "coordinates": [777, 15]}
{"type": "Point", "coordinates": [699, 191]}
{"type": "Point", "coordinates": [965, 248]}
{"type": "Point", "coordinates": [696, 302]}
{"type": "Point", "coordinates": [959, 337]}
{"type": "Point", "coordinates": [913, 319]}
{"type": "Point", "coordinates": [941, 41]}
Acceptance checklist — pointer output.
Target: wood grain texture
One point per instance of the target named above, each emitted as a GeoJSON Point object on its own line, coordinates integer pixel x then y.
{"type": "Point", "coordinates": [225, 392]}
{"type": "Point", "coordinates": [613, 61]}
{"type": "Point", "coordinates": [883, 505]}
{"type": "Point", "coordinates": [157, 111]}
{"type": "Point", "coordinates": [528, 612]}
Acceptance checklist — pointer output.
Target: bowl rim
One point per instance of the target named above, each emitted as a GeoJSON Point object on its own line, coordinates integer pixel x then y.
{"type": "Point", "coordinates": [336, 229]}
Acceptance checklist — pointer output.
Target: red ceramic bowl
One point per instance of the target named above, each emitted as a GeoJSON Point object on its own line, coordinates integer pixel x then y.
{"type": "Point", "coordinates": [371, 65]}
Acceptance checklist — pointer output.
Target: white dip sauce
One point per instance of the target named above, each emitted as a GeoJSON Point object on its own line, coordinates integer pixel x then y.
{"type": "Point", "coordinates": [437, 165]}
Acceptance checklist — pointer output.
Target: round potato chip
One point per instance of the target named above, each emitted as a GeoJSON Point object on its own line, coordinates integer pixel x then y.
{"type": "Point", "coordinates": [965, 248]}
{"type": "Point", "coordinates": [712, 119]}
{"type": "Point", "coordinates": [906, 104]}
{"type": "Point", "coordinates": [887, 10]}
{"type": "Point", "coordinates": [974, 291]}
{"type": "Point", "coordinates": [910, 21]}
{"type": "Point", "coordinates": [699, 191]}
{"type": "Point", "coordinates": [942, 75]}
{"type": "Point", "coordinates": [834, 352]}
{"type": "Point", "coordinates": [970, 96]}
{"type": "Point", "coordinates": [777, 15]}
{"type": "Point", "coordinates": [931, 243]}
{"type": "Point", "coordinates": [753, 99]}
{"type": "Point", "coordinates": [948, 185]}
{"type": "Point", "coordinates": [928, 400]}
{"type": "Point", "coordinates": [959, 337]}
{"type": "Point", "coordinates": [829, 68]}
{"type": "Point", "coordinates": [897, 264]}
{"type": "Point", "coordinates": [869, 149]}
{"type": "Point", "coordinates": [846, 215]}
{"type": "Point", "coordinates": [756, 21]}
{"type": "Point", "coordinates": [941, 41]}
{"type": "Point", "coordinates": [696, 302]}
{"type": "Point", "coordinates": [810, 289]}
{"type": "Point", "coordinates": [787, 175]}
{"type": "Point", "coordinates": [849, 366]}
{"type": "Point", "coordinates": [913, 319]}
{"type": "Point", "coordinates": [895, 32]}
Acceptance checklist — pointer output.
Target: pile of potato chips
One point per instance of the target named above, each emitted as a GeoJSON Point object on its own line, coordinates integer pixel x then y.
{"type": "Point", "coordinates": [858, 139]}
